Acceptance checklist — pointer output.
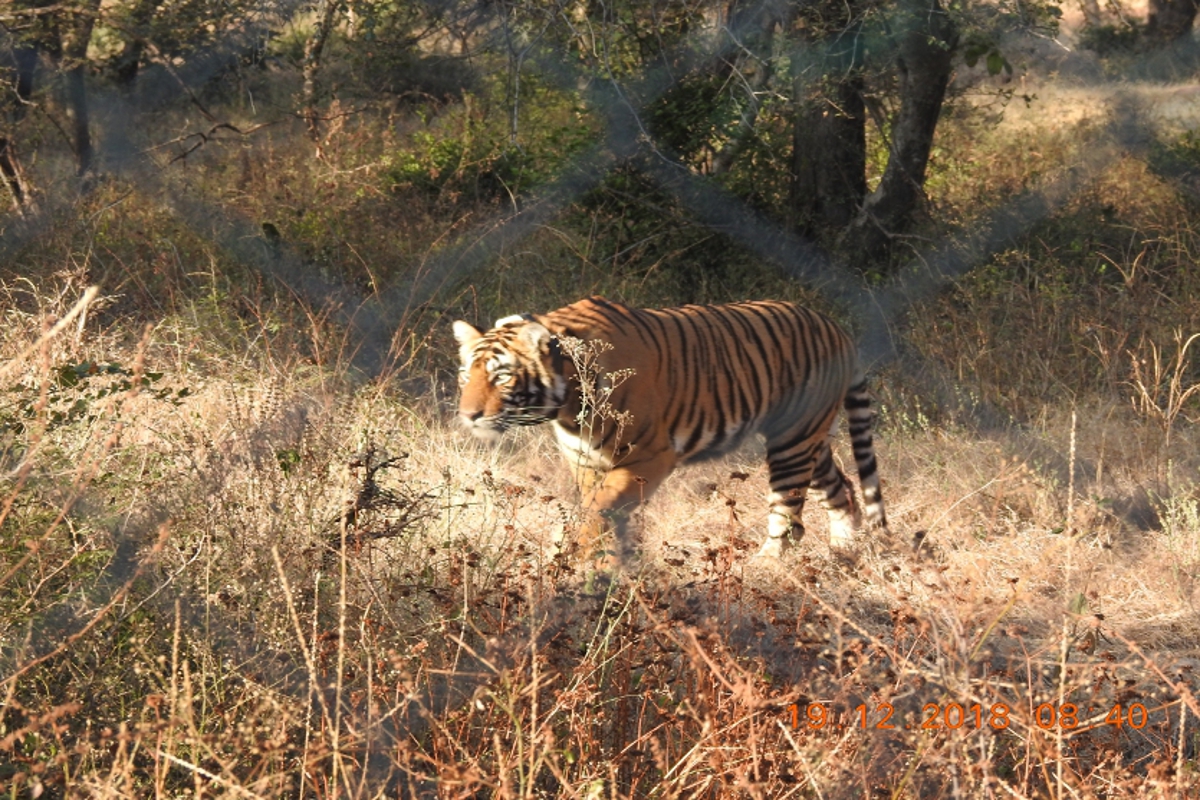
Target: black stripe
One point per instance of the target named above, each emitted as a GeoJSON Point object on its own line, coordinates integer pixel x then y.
{"type": "Point", "coordinates": [779, 475]}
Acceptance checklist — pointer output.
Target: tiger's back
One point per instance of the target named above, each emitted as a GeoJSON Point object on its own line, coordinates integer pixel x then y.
{"type": "Point", "coordinates": [712, 375]}
{"type": "Point", "coordinates": [693, 382]}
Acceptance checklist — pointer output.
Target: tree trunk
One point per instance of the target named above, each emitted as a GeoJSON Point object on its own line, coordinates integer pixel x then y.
{"type": "Point", "coordinates": [1169, 20]}
{"type": "Point", "coordinates": [80, 124]}
{"type": "Point", "coordinates": [16, 98]}
{"type": "Point", "coordinates": [14, 177]}
{"type": "Point", "coordinates": [829, 156]}
{"type": "Point", "coordinates": [754, 31]}
{"type": "Point", "coordinates": [326, 15]}
{"type": "Point", "coordinates": [927, 39]}
{"type": "Point", "coordinates": [78, 35]}
{"type": "Point", "coordinates": [128, 61]}
{"type": "Point", "coordinates": [829, 144]}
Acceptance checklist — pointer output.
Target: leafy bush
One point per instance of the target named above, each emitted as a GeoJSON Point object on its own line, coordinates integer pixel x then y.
{"type": "Point", "coordinates": [473, 154]}
{"type": "Point", "coordinates": [75, 391]}
{"type": "Point", "coordinates": [1112, 39]}
{"type": "Point", "coordinates": [1177, 157]}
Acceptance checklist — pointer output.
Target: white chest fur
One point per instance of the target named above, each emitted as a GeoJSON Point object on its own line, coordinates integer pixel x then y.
{"type": "Point", "coordinates": [579, 451]}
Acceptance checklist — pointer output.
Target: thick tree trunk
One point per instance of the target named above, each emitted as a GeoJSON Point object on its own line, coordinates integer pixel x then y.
{"type": "Point", "coordinates": [80, 123]}
{"type": "Point", "coordinates": [22, 67]}
{"type": "Point", "coordinates": [829, 144]}
{"type": "Point", "coordinates": [829, 156]}
{"type": "Point", "coordinates": [927, 39]}
{"type": "Point", "coordinates": [1169, 20]}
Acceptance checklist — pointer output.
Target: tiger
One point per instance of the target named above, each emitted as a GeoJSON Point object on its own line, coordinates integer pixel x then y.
{"type": "Point", "coordinates": [679, 385]}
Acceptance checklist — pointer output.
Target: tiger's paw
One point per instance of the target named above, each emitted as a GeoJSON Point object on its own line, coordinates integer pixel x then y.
{"type": "Point", "coordinates": [843, 538]}
{"type": "Point", "coordinates": [773, 547]}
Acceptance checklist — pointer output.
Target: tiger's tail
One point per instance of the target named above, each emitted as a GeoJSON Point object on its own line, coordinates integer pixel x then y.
{"type": "Point", "coordinates": [860, 420]}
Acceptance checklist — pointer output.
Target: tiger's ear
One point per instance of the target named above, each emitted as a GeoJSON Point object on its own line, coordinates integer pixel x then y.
{"type": "Point", "coordinates": [537, 336]}
{"type": "Point", "coordinates": [512, 319]}
{"type": "Point", "coordinates": [466, 334]}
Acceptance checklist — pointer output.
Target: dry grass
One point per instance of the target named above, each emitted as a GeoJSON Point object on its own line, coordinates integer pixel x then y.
{"type": "Point", "coordinates": [238, 597]}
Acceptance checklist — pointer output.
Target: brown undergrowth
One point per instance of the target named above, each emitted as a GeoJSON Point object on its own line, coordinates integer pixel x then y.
{"type": "Point", "coordinates": [267, 586]}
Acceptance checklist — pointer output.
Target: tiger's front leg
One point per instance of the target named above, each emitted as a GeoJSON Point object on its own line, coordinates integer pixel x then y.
{"type": "Point", "coordinates": [790, 462]}
{"type": "Point", "coordinates": [608, 504]}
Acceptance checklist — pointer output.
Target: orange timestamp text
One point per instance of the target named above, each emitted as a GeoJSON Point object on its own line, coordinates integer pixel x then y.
{"type": "Point", "coordinates": [952, 716]}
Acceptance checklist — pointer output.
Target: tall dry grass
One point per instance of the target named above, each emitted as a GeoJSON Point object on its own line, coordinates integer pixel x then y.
{"type": "Point", "coordinates": [281, 586]}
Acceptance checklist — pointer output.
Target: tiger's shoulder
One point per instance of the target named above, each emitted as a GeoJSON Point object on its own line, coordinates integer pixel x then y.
{"type": "Point", "coordinates": [591, 315]}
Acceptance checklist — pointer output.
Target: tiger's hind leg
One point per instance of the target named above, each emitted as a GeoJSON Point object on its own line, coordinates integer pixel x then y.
{"type": "Point", "coordinates": [861, 420]}
{"type": "Point", "coordinates": [837, 498]}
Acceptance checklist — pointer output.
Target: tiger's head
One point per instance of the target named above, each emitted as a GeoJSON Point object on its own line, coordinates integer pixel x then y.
{"type": "Point", "coordinates": [510, 375]}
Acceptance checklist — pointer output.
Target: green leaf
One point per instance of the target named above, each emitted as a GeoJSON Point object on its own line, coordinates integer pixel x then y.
{"type": "Point", "coordinates": [288, 459]}
{"type": "Point", "coordinates": [974, 51]}
{"type": "Point", "coordinates": [1078, 604]}
{"type": "Point", "coordinates": [70, 374]}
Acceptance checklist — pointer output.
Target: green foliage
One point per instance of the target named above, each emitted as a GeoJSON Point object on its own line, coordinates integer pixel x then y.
{"type": "Point", "coordinates": [757, 175]}
{"type": "Point", "coordinates": [472, 154]}
{"type": "Point", "coordinates": [618, 39]}
{"type": "Point", "coordinates": [288, 458]}
{"type": "Point", "coordinates": [1177, 157]}
{"type": "Point", "coordinates": [288, 44]}
{"type": "Point", "coordinates": [987, 30]}
{"type": "Point", "coordinates": [1112, 39]}
{"type": "Point", "coordinates": [382, 48]}
{"type": "Point", "coordinates": [991, 22]}
{"type": "Point", "coordinates": [694, 115]}
{"type": "Point", "coordinates": [977, 46]}
{"type": "Point", "coordinates": [648, 241]}
{"type": "Point", "coordinates": [179, 27]}
{"type": "Point", "coordinates": [387, 52]}
{"type": "Point", "coordinates": [74, 392]}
